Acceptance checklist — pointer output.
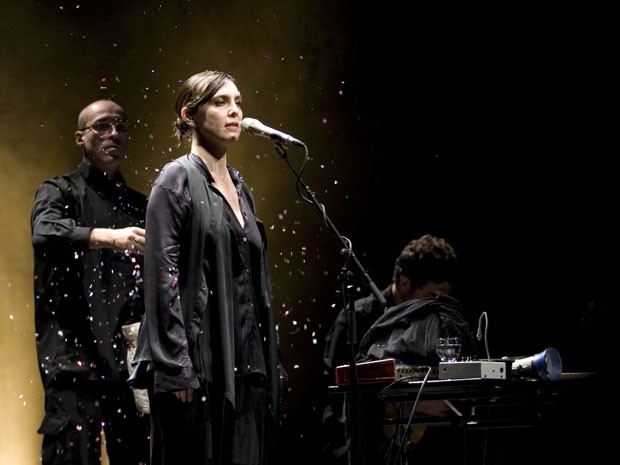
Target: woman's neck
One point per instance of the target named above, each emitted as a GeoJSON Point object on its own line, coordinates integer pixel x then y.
{"type": "Point", "coordinates": [217, 165]}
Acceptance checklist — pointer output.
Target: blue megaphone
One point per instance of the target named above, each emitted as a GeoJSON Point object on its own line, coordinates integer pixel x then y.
{"type": "Point", "coordinates": [546, 365]}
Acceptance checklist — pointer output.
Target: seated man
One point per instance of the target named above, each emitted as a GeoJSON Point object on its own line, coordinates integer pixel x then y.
{"type": "Point", "coordinates": [406, 331]}
{"type": "Point", "coordinates": [423, 276]}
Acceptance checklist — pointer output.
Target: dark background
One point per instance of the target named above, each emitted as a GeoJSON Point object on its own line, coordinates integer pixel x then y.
{"type": "Point", "coordinates": [490, 127]}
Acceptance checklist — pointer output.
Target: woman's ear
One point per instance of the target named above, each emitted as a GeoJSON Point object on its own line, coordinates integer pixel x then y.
{"type": "Point", "coordinates": [187, 117]}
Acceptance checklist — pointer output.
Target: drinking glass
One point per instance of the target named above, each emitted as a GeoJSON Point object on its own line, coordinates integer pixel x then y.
{"type": "Point", "coordinates": [448, 348]}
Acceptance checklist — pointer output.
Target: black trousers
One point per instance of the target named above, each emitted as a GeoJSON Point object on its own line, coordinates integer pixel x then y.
{"type": "Point", "coordinates": [208, 431]}
{"type": "Point", "coordinates": [75, 414]}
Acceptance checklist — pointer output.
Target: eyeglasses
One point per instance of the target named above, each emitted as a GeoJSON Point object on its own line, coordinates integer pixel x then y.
{"type": "Point", "coordinates": [104, 126]}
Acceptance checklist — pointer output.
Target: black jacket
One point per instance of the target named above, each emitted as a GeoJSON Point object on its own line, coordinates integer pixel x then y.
{"type": "Point", "coordinates": [186, 339]}
{"type": "Point", "coordinates": [408, 331]}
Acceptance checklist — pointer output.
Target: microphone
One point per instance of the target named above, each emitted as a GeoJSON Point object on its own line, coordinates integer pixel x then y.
{"type": "Point", "coordinates": [256, 128]}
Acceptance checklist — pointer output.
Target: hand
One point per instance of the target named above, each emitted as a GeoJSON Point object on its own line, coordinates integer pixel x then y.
{"type": "Point", "coordinates": [126, 240]}
{"type": "Point", "coordinates": [186, 395]}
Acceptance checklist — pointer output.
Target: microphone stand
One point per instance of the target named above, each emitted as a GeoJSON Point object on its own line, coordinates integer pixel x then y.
{"type": "Point", "coordinates": [345, 276]}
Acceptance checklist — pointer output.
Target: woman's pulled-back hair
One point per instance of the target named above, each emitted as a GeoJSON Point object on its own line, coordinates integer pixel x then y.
{"type": "Point", "coordinates": [195, 91]}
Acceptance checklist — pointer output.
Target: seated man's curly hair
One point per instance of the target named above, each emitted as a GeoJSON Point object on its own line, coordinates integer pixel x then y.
{"type": "Point", "coordinates": [427, 258]}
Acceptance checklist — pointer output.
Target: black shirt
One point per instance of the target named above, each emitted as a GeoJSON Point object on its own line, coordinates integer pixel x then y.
{"type": "Point", "coordinates": [249, 357]}
{"type": "Point", "coordinates": [84, 296]}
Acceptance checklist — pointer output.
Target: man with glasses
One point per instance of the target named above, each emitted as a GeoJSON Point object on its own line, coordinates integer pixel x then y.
{"type": "Point", "coordinates": [88, 239]}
